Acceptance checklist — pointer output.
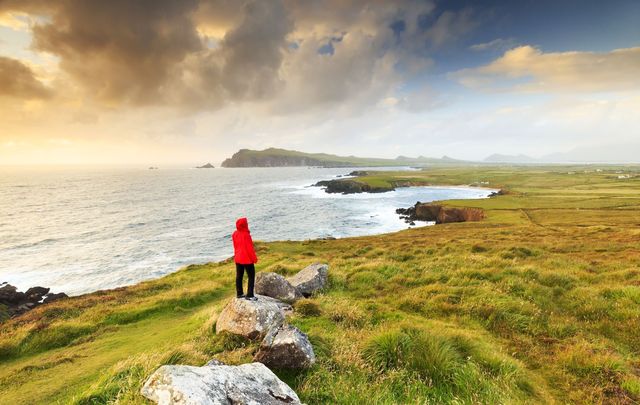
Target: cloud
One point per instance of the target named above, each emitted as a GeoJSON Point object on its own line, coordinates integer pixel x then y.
{"type": "Point", "coordinates": [528, 69]}
{"type": "Point", "coordinates": [17, 80]}
{"type": "Point", "coordinates": [120, 51]}
{"type": "Point", "coordinates": [500, 44]}
{"type": "Point", "coordinates": [204, 55]}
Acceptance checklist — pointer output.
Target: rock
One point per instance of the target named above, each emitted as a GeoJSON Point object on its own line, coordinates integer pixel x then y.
{"type": "Point", "coordinates": [247, 384]}
{"type": "Point", "coordinates": [36, 293]}
{"type": "Point", "coordinates": [54, 297]}
{"type": "Point", "coordinates": [251, 319]}
{"type": "Point", "coordinates": [207, 166]}
{"type": "Point", "coordinates": [439, 214]}
{"type": "Point", "coordinates": [311, 279]}
{"type": "Point", "coordinates": [286, 347]}
{"type": "Point", "coordinates": [275, 286]}
{"type": "Point", "coordinates": [10, 295]}
{"type": "Point", "coordinates": [350, 186]}
{"type": "Point", "coordinates": [214, 362]}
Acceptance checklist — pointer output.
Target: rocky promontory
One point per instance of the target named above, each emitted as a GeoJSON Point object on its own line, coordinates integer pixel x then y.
{"type": "Point", "coordinates": [349, 186]}
{"type": "Point", "coordinates": [439, 214]}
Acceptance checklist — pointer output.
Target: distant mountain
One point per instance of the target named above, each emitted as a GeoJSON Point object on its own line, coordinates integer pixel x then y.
{"type": "Point", "coordinates": [498, 158]}
{"type": "Point", "coordinates": [618, 153]}
{"type": "Point", "coordinates": [607, 153]}
{"type": "Point", "coordinates": [274, 157]}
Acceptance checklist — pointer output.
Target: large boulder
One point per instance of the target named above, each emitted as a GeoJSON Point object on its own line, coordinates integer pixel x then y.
{"type": "Point", "coordinates": [217, 384]}
{"type": "Point", "coordinates": [275, 286]}
{"type": "Point", "coordinates": [286, 347]}
{"type": "Point", "coordinates": [251, 319]}
{"type": "Point", "coordinates": [311, 279]}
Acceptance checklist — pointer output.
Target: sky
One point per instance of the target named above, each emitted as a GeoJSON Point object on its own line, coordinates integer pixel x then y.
{"type": "Point", "coordinates": [192, 81]}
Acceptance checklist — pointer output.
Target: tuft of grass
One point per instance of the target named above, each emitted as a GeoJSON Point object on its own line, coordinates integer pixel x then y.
{"type": "Point", "coordinates": [307, 307]}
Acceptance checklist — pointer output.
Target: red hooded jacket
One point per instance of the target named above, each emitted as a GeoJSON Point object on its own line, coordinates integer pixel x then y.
{"type": "Point", "coordinates": [243, 244]}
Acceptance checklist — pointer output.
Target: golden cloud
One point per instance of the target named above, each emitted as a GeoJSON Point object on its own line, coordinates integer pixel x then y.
{"type": "Point", "coordinates": [528, 69]}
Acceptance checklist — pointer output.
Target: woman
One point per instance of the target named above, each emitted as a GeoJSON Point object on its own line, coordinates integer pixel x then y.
{"type": "Point", "coordinates": [245, 257]}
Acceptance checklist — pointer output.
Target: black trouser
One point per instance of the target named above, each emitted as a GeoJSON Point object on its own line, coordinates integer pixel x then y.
{"type": "Point", "coordinates": [251, 274]}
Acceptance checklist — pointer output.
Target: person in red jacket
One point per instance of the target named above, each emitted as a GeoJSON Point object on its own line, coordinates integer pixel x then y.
{"type": "Point", "coordinates": [245, 257]}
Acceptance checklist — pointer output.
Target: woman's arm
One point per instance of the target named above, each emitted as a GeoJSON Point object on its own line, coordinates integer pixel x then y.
{"type": "Point", "coordinates": [251, 250]}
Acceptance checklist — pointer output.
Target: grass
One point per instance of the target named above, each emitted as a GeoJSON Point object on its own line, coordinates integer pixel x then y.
{"type": "Point", "coordinates": [539, 303]}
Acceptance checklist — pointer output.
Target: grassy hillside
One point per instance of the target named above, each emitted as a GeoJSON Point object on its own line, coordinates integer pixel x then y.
{"type": "Point", "coordinates": [274, 157]}
{"type": "Point", "coordinates": [539, 303]}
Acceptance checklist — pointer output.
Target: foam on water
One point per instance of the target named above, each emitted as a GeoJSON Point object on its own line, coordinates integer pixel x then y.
{"type": "Point", "coordinates": [80, 230]}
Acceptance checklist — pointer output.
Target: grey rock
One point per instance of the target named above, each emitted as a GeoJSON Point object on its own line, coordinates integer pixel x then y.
{"type": "Point", "coordinates": [275, 286]}
{"type": "Point", "coordinates": [286, 347]}
{"type": "Point", "coordinates": [247, 384]}
{"type": "Point", "coordinates": [311, 279]}
{"type": "Point", "coordinates": [54, 297]}
{"type": "Point", "coordinates": [251, 319]}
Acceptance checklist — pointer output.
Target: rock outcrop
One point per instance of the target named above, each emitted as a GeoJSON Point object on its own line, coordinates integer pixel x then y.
{"type": "Point", "coordinates": [286, 347]}
{"type": "Point", "coordinates": [251, 319]}
{"type": "Point", "coordinates": [349, 186]}
{"type": "Point", "coordinates": [311, 279]}
{"type": "Point", "coordinates": [439, 214]}
{"type": "Point", "coordinates": [275, 286]}
{"type": "Point", "coordinates": [218, 384]}
{"type": "Point", "coordinates": [18, 302]}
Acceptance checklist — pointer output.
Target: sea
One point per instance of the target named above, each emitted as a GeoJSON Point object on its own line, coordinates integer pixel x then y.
{"type": "Point", "coordinates": [82, 229]}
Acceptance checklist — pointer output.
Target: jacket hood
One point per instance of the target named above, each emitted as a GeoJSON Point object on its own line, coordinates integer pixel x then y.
{"type": "Point", "coordinates": [242, 224]}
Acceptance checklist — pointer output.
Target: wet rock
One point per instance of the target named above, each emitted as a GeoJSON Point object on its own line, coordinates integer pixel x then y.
{"type": "Point", "coordinates": [54, 297]}
{"type": "Point", "coordinates": [10, 295]}
{"type": "Point", "coordinates": [286, 347]}
{"type": "Point", "coordinates": [36, 293]}
{"type": "Point", "coordinates": [311, 279]}
{"type": "Point", "coordinates": [251, 319]}
{"type": "Point", "coordinates": [275, 286]}
{"type": "Point", "coordinates": [247, 384]}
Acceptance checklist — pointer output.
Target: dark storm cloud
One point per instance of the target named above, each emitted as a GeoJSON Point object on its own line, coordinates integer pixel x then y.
{"type": "Point", "coordinates": [17, 80]}
{"type": "Point", "coordinates": [203, 54]}
{"type": "Point", "coordinates": [120, 50]}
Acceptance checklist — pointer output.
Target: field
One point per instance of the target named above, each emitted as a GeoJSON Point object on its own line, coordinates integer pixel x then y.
{"type": "Point", "coordinates": [539, 303]}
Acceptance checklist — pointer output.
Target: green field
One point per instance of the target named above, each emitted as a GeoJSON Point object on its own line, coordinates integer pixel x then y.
{"type": "Point", "coordinates": [539, 303]}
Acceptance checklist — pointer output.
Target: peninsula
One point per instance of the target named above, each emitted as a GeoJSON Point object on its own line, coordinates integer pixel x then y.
{"type": "Point", "coordinates": [273, 157]}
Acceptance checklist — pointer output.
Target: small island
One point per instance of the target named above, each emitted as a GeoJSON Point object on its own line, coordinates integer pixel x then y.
{"type": "Point", "coordinates": [207, 166]}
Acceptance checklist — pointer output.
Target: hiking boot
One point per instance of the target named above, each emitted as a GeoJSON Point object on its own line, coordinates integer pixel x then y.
{"type": "Point", "coordinates": [240, 296]}
{"type": "Point", "coordinates": [252, 298]}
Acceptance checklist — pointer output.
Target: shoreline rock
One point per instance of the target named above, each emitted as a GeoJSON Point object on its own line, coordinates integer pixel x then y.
{"type": "Point", "coordinates": [439, 214]}
{"type": "Point", "coordinates": [349, 186]}
{"type": "Point", "coordinates": [17, 302]}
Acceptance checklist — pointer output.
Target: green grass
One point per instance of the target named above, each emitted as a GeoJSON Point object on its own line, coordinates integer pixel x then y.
{"type": "Point", "coordinates": [539, 303]}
